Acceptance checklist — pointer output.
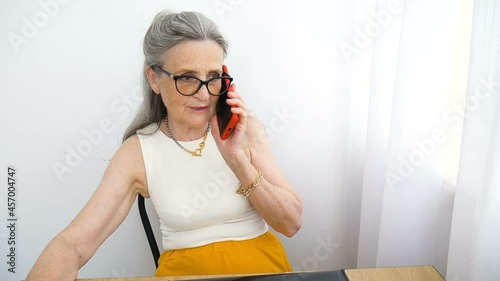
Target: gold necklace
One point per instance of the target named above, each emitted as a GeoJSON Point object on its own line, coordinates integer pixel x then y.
{"type": "Point", "coordinates": [196, 152]}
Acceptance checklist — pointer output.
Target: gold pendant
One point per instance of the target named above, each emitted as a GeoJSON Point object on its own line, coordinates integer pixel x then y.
{"type": "Point", "coordinates": [196, 152]}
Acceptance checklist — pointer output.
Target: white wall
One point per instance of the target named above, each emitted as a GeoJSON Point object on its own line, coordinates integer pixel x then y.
{"type": "Point", "coordinates": [71, 69]}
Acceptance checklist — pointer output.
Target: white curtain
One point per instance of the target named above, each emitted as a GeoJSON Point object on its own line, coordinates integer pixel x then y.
{"type": "Point", "coordinates": [475, 234]}
{"type": "Point", "coordinates": [424, 149]}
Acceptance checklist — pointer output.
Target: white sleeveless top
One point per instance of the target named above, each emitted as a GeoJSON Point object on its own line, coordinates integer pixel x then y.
{"type": "Point", "coordinates": [195, 196]}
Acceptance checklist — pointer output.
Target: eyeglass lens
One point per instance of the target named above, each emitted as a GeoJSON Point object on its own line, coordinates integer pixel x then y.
{"type": "Point", "coordinates": [187, 85]}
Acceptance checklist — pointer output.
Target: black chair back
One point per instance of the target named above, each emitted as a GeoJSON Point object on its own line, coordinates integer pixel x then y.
{"type": "Point", "coordinates": [147, 228]}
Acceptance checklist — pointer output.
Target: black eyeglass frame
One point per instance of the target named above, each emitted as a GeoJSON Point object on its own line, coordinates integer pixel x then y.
{"type": "Point", "coordinates": [176, 77]}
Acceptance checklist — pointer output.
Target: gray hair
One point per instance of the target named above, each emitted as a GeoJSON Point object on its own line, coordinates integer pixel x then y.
{"type": "Point", "coordinates": [167, 30]}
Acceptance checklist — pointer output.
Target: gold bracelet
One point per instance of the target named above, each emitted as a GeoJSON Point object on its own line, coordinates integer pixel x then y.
{"type": "Point", "coordinates": [246, 191]}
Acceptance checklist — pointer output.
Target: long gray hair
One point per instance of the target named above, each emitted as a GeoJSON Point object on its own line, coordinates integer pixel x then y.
{"type": "Point", "coordinates": [167, 30]}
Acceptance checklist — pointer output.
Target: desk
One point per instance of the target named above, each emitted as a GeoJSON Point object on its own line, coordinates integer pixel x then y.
{"type": "Point", "coordinates": [410, 273]}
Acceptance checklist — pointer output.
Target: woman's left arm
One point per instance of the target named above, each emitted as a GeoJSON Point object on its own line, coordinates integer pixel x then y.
{"type": "Point", "coordinates": [274, 198]}
{"type": "Point", "coordinates": [247, 152]}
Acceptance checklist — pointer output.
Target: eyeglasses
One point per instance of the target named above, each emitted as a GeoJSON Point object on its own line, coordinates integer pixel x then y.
{"type": "Point", "coordinates": [188, 85]}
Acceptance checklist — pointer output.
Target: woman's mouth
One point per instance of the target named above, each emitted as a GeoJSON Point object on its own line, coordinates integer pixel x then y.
{"type": "Point", "coordinates": [199, 108]}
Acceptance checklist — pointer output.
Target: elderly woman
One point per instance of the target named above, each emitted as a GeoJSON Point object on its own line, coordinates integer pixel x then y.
{"type": "Point", "coordinates": [215, 198]}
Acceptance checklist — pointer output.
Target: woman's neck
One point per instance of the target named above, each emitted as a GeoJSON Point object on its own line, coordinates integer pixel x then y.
{"type": "Point", "coordinates": [183, 134]}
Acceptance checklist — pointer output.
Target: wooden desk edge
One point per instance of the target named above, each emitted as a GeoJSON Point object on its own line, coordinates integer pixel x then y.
{"type": "Point", "coordinates": [400, 273]}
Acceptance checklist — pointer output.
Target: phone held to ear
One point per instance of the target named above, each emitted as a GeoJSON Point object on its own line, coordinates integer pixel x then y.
{"type": "Point", "coordinates": [225, 118]}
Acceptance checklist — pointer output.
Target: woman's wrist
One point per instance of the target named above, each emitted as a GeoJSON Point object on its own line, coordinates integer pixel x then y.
{"type": "Point", "coordinates": [239, 160]}
{"type": "Point", "coordinates": [245, 190]}
{"type": "Point", "coordinates": [243, 168]}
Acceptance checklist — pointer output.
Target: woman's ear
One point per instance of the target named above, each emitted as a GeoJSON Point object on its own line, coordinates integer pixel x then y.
{"type": "Point", "coordinates": [154, 79]}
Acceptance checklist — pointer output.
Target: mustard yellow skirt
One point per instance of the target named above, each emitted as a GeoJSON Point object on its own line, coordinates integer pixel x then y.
{"type": "Point", "coordinates": [263, 254]}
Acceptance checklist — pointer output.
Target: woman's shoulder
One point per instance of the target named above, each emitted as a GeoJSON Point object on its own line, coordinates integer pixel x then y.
{"type": "Point", "coordinates": [148, 129]}
{"type": "Point", "coordinates": [256, 131]}
{"type": "Point", "coordinates": [254, 122]}
{"type": "Point", "coordinates": [129, 159]}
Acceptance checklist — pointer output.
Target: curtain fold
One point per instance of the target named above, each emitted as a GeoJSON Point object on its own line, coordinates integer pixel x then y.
{"type": "Point", "coordinates": [424, 152]}
{"type": "Point", "coordinates": [475, 234]}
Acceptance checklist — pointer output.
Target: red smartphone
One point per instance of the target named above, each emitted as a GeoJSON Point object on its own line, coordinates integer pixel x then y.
{"type": "Point", "coordinates": [225, 118]}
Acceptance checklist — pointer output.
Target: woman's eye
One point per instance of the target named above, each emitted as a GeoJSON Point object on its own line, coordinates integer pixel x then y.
{"type": "Point", "coordinates": [214, 75]}
{"type": "Point", "coordinates": [187, 78]}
